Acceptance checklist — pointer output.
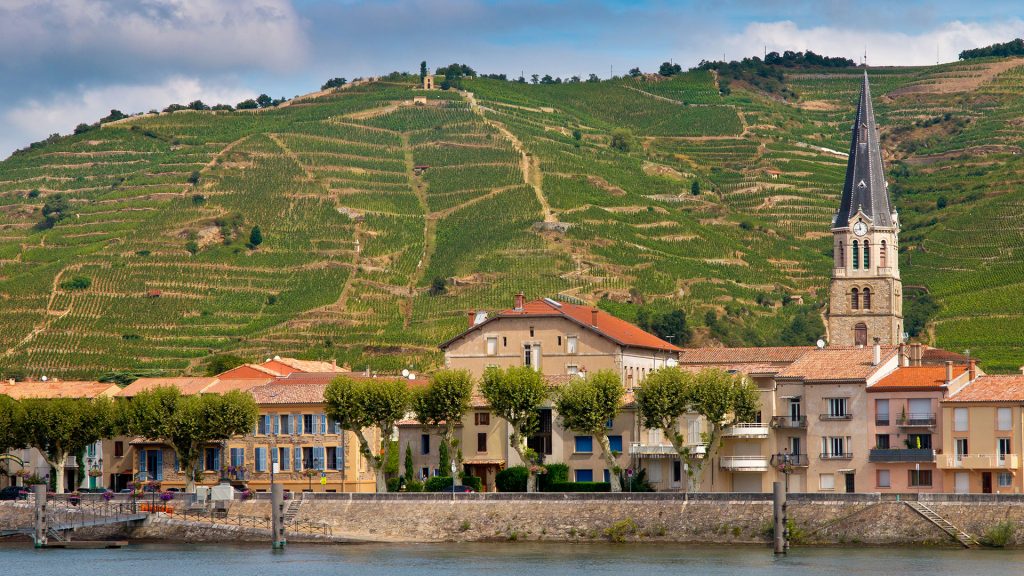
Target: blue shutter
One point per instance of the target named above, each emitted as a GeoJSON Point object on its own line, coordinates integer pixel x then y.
{"type": "Point", "coordinates": [337, 427]}
{"type": "Point", "coordinates": [298, 459]}
{"type": "Point", "coordinates": [316, 424]}
{"type": "Point", "coordinates": [339, 458]}
{"type": "Point", "coordinates": [323, 424]}
{"type": "Point", "coordinates": [216, 458]}
{"type": "Point", "coordinates": [615, 443]}
{"type": "Point", "coordinates": [285, 458]}
{"type": "Point", "coordinates": [584, 444]}
{"type": "Point", "coordinates": [159, 464]}
{"type": "Point", "coordinates": [318, 457]}
{"type": "Point", "coordinates": [142, 460]}
{"type": "Point", "coordinates": [607, 475]}
{"type": "Point", "coordinates": [298, 423]}
{"type": "Point", "coordinates": [261, 459]}
{"type": "Point", "coordinates": [277, 424]}
{"type": "Point", "coordinates": [584, 475]}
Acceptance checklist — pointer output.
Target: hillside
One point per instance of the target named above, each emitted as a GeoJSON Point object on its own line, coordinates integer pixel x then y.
{"type": "Point", "coordinates": [149, 268]}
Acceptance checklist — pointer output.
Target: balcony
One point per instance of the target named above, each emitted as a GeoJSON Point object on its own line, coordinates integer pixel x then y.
{"type": "Point", "coordinates": [980, 461]}
{"type": "Point", "coordinates": [746, 430]}
{"type": "Point", "coordinates": [664, 450]}
{"type": "Point", "coordinates": [917, 420]}
{"type": "Point", "coordinates": [881, 420]}
{"type": "Point", "coordinates": [795, 460]}
{"type": "Point", "coordinates": [744, 463]}
{"type": "Point", "coordinates": [836, 456]}
{"type": "Point", "coordinates": [901, 455]}
{"type": "Point", "coordinates": [831, 416]}
{"type": "Point", "coordinates": [789, 422]}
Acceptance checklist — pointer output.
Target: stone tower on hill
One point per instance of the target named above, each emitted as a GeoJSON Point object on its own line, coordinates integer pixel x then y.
{"type": "Point", "coordinates": [866, 294]}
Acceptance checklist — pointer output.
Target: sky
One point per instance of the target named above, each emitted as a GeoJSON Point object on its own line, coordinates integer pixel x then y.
{"type": "Point", "coordinates": [72, 61]}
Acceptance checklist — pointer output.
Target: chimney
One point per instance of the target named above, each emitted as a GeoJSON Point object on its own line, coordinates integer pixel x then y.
{"type": "Point", "coordinates": [904, 361]}
{"type": "Point", "coordinates": [334, 363]}
{"type": "Point", "coordinates": [593, 317]}
{"type": "Point", "coordinates": [949, 371]}
{"type": "Point", "coordinates": [472, 317]}
{"type": "Point", "coordinates": [915, 354]}
{"type": "Point", "coordinates": [876, 355]}
{"type": "Point", "coordinates": [520, 301]}
{"type": "Point", "coordinates": [972, 370]}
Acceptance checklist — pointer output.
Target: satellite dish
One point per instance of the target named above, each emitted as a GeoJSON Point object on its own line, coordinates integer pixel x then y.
{"type": "Point", "coordinates": [277, 357]}
{"type": "Point", "coordinates": [671, 362]}
{"type": "Point", "coordinates": [405, 373]}
{"type": "Point", "coordinates": [821, 344]}
{"type": "Point", "coordinates": [44, 378]}
{"type": "Point", "coordinates": [412, 376]}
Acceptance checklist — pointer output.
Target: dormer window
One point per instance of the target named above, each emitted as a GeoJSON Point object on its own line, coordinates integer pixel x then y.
{"type": "Point", "coordinates": [862, 184]}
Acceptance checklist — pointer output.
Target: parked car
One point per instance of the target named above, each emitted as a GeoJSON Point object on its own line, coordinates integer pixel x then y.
{"type": "Point", "coordinates": [10, 493]}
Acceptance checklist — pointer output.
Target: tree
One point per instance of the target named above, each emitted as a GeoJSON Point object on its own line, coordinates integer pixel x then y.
{"type": "Point", "coordinates": [593, 78]}
{"type": "Point", "coordinates": [622, 139]}
{"type": "Point", "coordinates": [264, 101]}
{"type": "Point", "coordinates": [586, 407]}
{"type": "Point", "coordinates": [62, 427]}
{"type": "Point", "coordinates": [534, 78]}
{"type": "Point", "coordinates": [515, 395]}
{"type": "Point", "coordinates": [249, 104]}
{"type": "Point", "coordinates": [668, 393]}
{"type": "Point", "coordinates": [669, 69]}
{"type": "Point", "coordinates": [188, 423]}
{"type": "Point", "coordinates": [333, 83]}
{"type": "Point", "coordinates": [57, 207]}
{"type": "Point", "coordinates": [695, 188]}
{"type": "Point", "coordinates": [635, 72]}
{"type": "Point", "coordinates": [113, 116]}
{"type": "Point", "coordinates": [357, 405]}
{"type": "Point", "coordinates": [255, 237]}
{"type": "Point", "coordinates": [222, 363]}
{"type": "Point", "coordinates": [438, 286]}
{"type": "Point", "coordinates": [197, 105]}
{"type": "Point", "coordinates": [423, 71]}
{"type": "Point", "coordinates": [442, 403]}
{"type": "Point", "coordinates": [12, 424]}
{"type": "Point", "coordinates": [409, 472]}
{"type": "Point", "coordinates": [193, 178]}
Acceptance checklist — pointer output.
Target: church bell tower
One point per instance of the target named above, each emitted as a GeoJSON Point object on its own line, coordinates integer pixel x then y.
{"type": "Point", "coordinates": [866, 294]}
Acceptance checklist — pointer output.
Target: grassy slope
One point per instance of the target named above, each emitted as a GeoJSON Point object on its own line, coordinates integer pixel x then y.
{"type": "Point", "coordinates": [328, 284]}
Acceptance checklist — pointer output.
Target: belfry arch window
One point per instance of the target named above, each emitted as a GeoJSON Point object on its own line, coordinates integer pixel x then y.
{"type": "Point", "coordinates": [867, 255]}
{"type": "Point", "coordinates": [865, 298]}
{"type": "Point", "coordinates": [882, 258]}
{"type": "Point", "coordinates": [842, 255]}
{"type": "Point", "coordinates": [855, 299]}
{"type": "Point", "coordinates": [856, 255]}
{"type": "Point", "coordinates": [860, 334]}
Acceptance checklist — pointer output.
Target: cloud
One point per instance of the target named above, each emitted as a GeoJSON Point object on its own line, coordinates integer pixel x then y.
{"type": "Point", "coordinates": [884, 48]}
{"type": "Point", "coordinates": [35, 119]}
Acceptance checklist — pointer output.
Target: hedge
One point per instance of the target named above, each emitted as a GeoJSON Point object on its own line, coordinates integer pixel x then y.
{"type": "Point", "coordinates": [438, 484]}
{"type": "Point", "coordinates": [512, 479]}
{"type": "Point", "coordinates": [474, 482]}
{"type": "Point", "coordinates": [557, 473]}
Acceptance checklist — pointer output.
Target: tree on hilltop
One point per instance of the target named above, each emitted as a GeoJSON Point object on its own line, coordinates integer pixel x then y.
{"type": "Point", "coordinates": [249, 104]}
{"type": "Point", "coordinates": [669, 69]}
{"type": "Point", "coordinates": [635, 72]}
{"type": "Point", "coordinates": [423, 71]}
{"type": "Point", "coordinates": [264, 101]}
{"type": "Point", "coordinates": [333, 83]}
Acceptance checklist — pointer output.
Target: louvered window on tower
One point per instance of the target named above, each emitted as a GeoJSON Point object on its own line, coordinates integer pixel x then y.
{"type": "Point", "coordinates": [856, 255]}
{"type": "Point", "coordinates": [855, 299]}
{"type": "Point", "coordinates": [866, 298]}
{"type": "Point", "coordinates": [867, 255]}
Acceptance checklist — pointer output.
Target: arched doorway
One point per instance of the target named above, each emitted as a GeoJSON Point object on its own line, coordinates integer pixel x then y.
{"type": "Point", "coordinates": [860, 334]}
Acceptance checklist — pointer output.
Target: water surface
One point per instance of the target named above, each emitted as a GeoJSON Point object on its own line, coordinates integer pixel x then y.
{"type": "Point", "coordinates": [501, 559]}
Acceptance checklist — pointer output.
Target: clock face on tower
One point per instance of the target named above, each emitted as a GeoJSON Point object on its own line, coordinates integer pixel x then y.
{"type": "Point", "coordinates": [860, 229]}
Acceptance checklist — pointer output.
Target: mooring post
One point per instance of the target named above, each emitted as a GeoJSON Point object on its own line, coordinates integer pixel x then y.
{"type": "Point", "coordinates": [779, 505]}
{"type": "Point", "coordinates": [277, 515]}
{"type": "Point", "coordinates": [40, 535]}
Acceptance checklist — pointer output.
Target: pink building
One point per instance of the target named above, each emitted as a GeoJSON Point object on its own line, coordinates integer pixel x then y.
{"type": "Point", "coordinates": [905, 426]}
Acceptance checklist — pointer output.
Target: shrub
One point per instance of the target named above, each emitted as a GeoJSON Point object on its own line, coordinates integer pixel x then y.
{"type": "Point", "coordinates": [393, 484]}
{"type": "Point", "coordinates": [618, 531]}
{"type": "Point", "coordinates": [333, 83]}
{"type": "Point", "coordinates": [557, 473]}
{"type": "Point", "coordinates": [33, 194]}
{"type": "Point", "coordinates": [999, 535]}
{"type": "Point", "coordinates": [581, 487]}
{"type": "Point", "coordinates": [438, 483]}
{"type": "Point", "coordinates": [474, 482]}
{"type": "Point", "coordinates": [192, 246]}
{"type": "Point", "coordinates": [255, 237]}
{"type": "Point", "coordinates": [77, 283]}
{"type": "Point", "coordinates": [512, 479]}
{"type": "Point", "coordinates": [56, 208]}
{"type": "Point", "coordinates": [437, 286]}
{"type": "Point", "coordinates": [193, 179]}
{"type": "Point", "coordinates": [622, 140]}
{"type": "Point", "coordinates": [414, 486]}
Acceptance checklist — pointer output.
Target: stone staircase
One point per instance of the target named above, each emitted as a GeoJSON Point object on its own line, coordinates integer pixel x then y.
{"type": "Point", "coordinates": [291, 510]}
{"type": "Point", "coordinates": [955, 533]}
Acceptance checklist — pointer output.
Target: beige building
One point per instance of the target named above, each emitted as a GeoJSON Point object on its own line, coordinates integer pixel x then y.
{"type": "Point", "coordinates": [981, 428]}
{"type": "Point", "coordinates": [866, 293]}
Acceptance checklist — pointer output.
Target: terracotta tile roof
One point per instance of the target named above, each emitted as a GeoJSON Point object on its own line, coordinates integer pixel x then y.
{"type": "Point", "coordinates": [187, 385]}
{"type": "Point", "coordinates": [753, 368]}
{"type": "Point", "coordinates": [289, 393]}
{"type": "Point", "coordinates": [837, 363]}
{"type": "Point", "coordinates": [226, 385]}
{"type": "Point", "coordinates": [615, 329]}
{"type": "Point", "coordinates": [326, 377]}
{"type": "Point", "coordinates": [250, 371]}
{"type": "Point", "coordinates": [992, 389]}
{"type": "Point", "coordinates": [915, 378]}
{"type": "Point", "coordinates": [735, 356]}
{"type": "Point", "coordinates": [304, 365]}
{"type": "Point", "coordinates": [58, 389]}
{"type": "Point", "coordinates": [939, 356]}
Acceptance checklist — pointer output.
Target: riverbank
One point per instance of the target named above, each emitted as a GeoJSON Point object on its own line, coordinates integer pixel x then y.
{"type": "Point", "coordinates": [816, 519]}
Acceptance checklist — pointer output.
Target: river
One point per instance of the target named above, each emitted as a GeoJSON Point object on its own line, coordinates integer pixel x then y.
{"type": "Point", "coordinates": [512, 559]}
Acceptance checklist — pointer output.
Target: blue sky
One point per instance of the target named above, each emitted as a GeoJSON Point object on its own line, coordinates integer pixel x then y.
{"type": "Point", "coordinates": [71, 61]}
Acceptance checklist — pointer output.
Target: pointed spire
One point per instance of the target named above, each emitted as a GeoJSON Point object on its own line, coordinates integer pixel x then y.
{"type": "Point", "coordinates": [864, 188]}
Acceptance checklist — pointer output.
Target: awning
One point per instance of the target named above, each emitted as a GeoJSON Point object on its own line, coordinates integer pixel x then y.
{"type": "Point", "coordinates": [484, 461]}
{"type": "Point", "coordinates": [846, 470]}
{"type": "Point", "coordinates": [789, 397]}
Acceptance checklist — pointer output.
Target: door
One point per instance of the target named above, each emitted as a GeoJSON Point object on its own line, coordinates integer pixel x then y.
{"type": "Point", "coordinates": [986, 482]}
{"type": "Point", "coordinates": [849, 482]}
{"type": "Point", "coordinates": [962, 483]}
{"type": "Point", "coordinates": [794, 411]}
{"type": "Point", "coordinates": [860, 335]}
{"type": "Point", "coordinates": [795, 455]}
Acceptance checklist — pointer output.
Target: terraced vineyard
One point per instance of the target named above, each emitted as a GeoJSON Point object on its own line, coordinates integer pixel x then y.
{"type": "Point", "coordinates": [355, 230]}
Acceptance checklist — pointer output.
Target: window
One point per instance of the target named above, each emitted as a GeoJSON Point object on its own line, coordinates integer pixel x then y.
{"type": "Point", "coordinates": [960, 448]}
{"type": "Point", "coordinates": [866, 298]}
{"type": "Point", "coordinates": [504, 341]}
{"type": "Point", "coordinates": [424, 473]}
{"type": "Point", "coordinates": [837, 408]}
{"type": "Point", "coordinates": [571, 344]}
{"type": "Point", "coordinates": [615, 443]}
{"type": "Point", "coordinates": [860, 334]}
{"type": "Point", "coordinates": [1005, 479]}
{"type": "Point", "coordinates": [609, 423]}
{"type": "Point", "coordinates": [286, 427]}
{"type": "Point", "coordinates": [584, 444]}
{"type": "Point", "coordinates": [237, 457]}
{"type": "Point", "coordinates": [332, 457]}
{"type": "Point", "coordinates": [1003, 449]}
{"type": "Point", "coordinates": [856, 255]}
{"type": "Point", "coordinates": [834, 447]}
{"type": "Point", "coordinates": [284, 458]}
{"type": "Point", "coordinates": [919, 478]}
{"type": "Point", "coordinates": [261, 459]}
{"type": "Point", "coordinates": [482, 418]}
{"type": "Point", "coordinates": [882, 441]}
{"type": "Point", "coordinates": [584, 475]}
{"type": "Point", "coordinates": [307, 458]}
{"type": "Point", "coordinates": [492, 345]}
{"type": "Point", "coordinates": [1004, 419]}
{"type": "Point", "coordinates": [842, 255]}
{"type": "Point", "coordinates": [920, 441]}
{"type": "Point", "coordinates": [881, 255]}
{"type": "Point", "coordinates": [826, 482]}
{"type": "Point", "coordinates": [211, 459]}
{"type": "Point", "coordinates": [881, 412]}
{"type": "Point", "coordinates": [307, 424]}
{"type": "Point", "coordinates": [531, 331]}
{"type": "Point", "coordinates": [263, 424]}
{"type": "Point", "coordinates": [883, 479]}
{"type": "Point", "coordinates": [960, 419]}
{"type": "Point", "coordinates": [424, 444]}
{"type": "Point", "coordinates": [855, 299]}
{"type": "Point", "coordinates": [118, 449]}
{"type": "Point", "coordinates": [677, 471]}
{"type": "Point", "coordinates": [572, 370]}
{"type": "Point", "coordinates": [481, 441]}
{"type": "Point", "coordinates": [867, 255]}
{"type": "Point", "coordinates": [607, 475]}
{"type": "Point", "coordinates": [527, 355]}
{"type": "Point", "coordinates": [559, 340]}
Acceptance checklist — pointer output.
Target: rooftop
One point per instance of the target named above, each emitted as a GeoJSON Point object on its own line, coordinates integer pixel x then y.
{"type": "Point", "coordinates": [923, 378]}
{"type": "Point", "coordinates": [58, 389]}
{"type": "Point", "coordinates": [837, 364]}
{"type": "Point", "coordinates": [992, 389]}
{"type": "Point", "coordinates": [187, 385]}
{"type": "Point", "coordinates": [778, 355]}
